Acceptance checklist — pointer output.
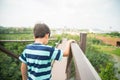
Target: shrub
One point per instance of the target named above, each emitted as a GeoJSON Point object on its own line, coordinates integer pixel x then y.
{"type": "Point", "coordinates": [101, 61]}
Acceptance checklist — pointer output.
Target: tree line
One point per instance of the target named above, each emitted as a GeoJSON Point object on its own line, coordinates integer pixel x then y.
{"type": "Point", "coordinates": [15, 30]}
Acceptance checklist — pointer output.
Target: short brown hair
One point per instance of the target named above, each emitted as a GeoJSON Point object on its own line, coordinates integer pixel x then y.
{"type": "Point", "coordinates": [40, 30]}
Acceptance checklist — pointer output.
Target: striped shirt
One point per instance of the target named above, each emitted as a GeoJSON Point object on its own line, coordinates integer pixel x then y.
{"type": "Point", "coordinates": [38, 58]}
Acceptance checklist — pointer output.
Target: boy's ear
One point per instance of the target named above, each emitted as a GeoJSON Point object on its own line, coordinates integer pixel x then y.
{"type": "Point", "coordinates": [46, 35]}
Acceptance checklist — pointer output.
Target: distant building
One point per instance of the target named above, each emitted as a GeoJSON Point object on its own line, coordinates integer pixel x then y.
{"type": "Point", "coordinates": [96, 31]}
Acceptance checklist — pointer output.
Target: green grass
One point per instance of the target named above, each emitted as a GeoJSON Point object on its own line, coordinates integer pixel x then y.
{"type": "Point", "coordinates": [107, 49]}
{"type": "Point", "coordinates": [116, 51]}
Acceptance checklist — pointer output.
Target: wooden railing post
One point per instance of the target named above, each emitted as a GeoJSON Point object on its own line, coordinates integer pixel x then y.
{"type": "Point", "coordinates": [83, 41]}
{"type": "Point", "coordinates": [69, 66]}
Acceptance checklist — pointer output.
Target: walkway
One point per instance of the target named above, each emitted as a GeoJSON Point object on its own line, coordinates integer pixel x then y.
{"type": "Point", "coordinates": [59, 67]}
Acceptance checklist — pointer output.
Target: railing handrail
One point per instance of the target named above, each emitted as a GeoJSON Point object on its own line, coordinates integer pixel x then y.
{"type": "Point", "coordinates": [22, 40]}
{"type": "Point", "coordinates": [84, 69]}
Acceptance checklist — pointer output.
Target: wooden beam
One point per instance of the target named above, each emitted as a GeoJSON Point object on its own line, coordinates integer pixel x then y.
{"type": "Point", "coordinates": [8, 52]}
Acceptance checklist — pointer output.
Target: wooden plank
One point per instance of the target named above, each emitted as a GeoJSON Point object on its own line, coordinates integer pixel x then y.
{"type": "Point", "coordinates": [58, 70]}
{"type": "Point", "coordinates": [85, 70]}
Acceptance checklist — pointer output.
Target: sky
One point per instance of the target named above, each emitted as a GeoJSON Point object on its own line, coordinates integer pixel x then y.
{"type": "Point", "coordinates": [100, 14]}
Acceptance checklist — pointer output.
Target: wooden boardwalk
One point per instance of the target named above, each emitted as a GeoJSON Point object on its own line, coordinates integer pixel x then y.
{"type": "Point", "coordinates": [59, 67]}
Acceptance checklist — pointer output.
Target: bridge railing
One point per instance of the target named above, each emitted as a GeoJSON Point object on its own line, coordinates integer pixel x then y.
{"type": "Point", "coordinates": [83, 68]}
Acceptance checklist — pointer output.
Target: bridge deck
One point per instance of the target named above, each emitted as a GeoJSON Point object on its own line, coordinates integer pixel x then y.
{"type": "Point", "coordinates": [59, 67]}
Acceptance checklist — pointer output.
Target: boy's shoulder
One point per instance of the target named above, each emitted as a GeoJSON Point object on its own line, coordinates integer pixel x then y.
{"type": "Point", "coordinates": [34, 45]}
{"type": "Point", "coordinates": [28, 45]}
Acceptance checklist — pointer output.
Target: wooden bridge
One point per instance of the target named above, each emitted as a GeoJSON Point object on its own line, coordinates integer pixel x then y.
{"type": "Point", "coordinates": [62, 70]}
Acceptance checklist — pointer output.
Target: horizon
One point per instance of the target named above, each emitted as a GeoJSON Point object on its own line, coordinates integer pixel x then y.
{"type": "Point", "coordinates": [98, 30]}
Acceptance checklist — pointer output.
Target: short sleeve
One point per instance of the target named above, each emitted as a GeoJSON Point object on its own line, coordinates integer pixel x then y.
{"type": "Point", "coordinates": [22, 57]}
{"type": "Point", "coordinates": [57, 54]}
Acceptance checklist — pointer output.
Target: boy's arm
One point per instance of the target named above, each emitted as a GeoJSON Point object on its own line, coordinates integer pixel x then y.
{"type": "Point", "coordinates": [67, 48]}
{"type": "Point", "coordinates": [24, 71]}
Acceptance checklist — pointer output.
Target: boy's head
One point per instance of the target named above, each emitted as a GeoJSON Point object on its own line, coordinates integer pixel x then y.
{"type": "Point", "coordinates": [40, 30]}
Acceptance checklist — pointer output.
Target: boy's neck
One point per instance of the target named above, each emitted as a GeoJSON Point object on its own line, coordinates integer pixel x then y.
{"type": "Point", "coordinates": [39, 40]}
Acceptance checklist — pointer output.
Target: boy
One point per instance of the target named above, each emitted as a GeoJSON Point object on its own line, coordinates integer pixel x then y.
{"type": "Point", "coordinates": [37, 57]}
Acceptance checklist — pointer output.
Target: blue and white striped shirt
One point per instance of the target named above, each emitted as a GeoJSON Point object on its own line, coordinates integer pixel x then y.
{"type": "Point", "coordinates": [38, 58]}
